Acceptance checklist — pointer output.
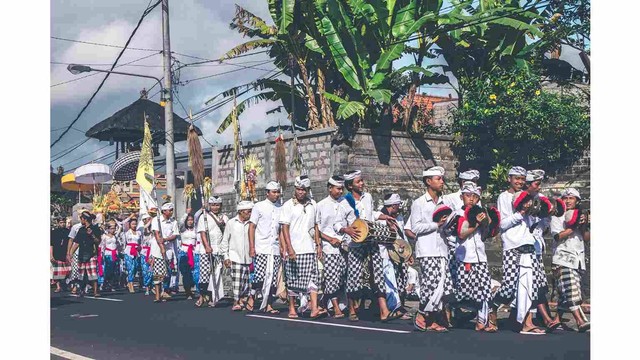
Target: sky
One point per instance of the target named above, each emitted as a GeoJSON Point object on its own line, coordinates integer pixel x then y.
{"type": "Point", "coordinates": [197, 29]}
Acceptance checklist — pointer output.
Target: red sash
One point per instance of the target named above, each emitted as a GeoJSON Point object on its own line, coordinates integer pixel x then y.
{"type": "Point", "coordinates": [146, 257]}
{"type": "Point", "coordinates": [100, 271]}
{"type": "Point", "coordinates": [190, 257]}
{"type": "Point", "coordinates": [134, 249]}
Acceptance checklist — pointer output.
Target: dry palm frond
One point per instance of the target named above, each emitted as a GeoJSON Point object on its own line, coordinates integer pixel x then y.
{"type": "Point", "coordinates": [281, 161]}
{"type": "Point", "coordinates": [207, 187]}
{"type": "Point", "coordinates": [188, 193]}
{"type": "Point", "coordinates": [195, 156]}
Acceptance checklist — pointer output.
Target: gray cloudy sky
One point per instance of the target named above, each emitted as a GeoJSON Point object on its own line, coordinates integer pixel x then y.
{"type": "Point", "coordinates": [198, 28]}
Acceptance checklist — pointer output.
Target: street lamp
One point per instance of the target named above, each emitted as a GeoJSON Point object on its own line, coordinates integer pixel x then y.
{"type": "Point", "coordinates": [76, 69]}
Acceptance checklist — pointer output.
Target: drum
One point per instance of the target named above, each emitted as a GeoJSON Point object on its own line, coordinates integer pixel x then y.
{"type": "Point", "coordinates": [374, 232]}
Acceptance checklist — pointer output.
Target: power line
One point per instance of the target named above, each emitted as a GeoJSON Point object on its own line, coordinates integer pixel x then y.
{"type": "Point", "coordinates": [144, 14]}
{"type": "Point", "coordinates": [101, 44]}
{"type": "Point", "coordinates": [66, 152]}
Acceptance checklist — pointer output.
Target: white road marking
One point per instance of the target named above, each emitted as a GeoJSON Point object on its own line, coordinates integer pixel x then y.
{"type": "Point", "coordinates": [68, 355]}
{"type": "Point", "coordinates": [96, 298]}
{"type": "Point", "coordinates": [83, 316]}
{"type": "Point", "coordinates": [331, 324]}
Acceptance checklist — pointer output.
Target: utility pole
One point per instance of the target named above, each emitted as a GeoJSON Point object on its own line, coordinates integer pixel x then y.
{"type": "Point", "coordinates": [168, 107]}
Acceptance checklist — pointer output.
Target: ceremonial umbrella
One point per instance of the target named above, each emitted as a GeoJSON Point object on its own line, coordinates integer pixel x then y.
{"type": "Point", "coordinates": [126, 167]}
{"type": "Point", "coordinates": [93, 173]}
{"type": "Point", "coordinates": [68, 182]}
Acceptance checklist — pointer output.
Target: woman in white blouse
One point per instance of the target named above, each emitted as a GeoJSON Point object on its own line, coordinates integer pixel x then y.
{"type": "Point", "coordinates": [147, 237]}
{"type": "Point", "coordinates": [132, 239]}
{"type": "Point", "coordinates": [187, 253]}
{"type": "Point", "coordinates": [109, 256]}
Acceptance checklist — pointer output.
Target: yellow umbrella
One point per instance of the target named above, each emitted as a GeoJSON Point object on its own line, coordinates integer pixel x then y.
{"type": "Point", "coordinates": [68, 182]}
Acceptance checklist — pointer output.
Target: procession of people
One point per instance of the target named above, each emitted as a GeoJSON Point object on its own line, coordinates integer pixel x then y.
{"type": "Point", "coordinates": [329, 257]}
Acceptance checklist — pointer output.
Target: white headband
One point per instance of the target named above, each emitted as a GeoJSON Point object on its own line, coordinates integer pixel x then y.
{"type": "Point", "coordinates": [336, 181]}
{"type": "Point", "coordinates": [215, 200]}
{"type": "Point", "coordinates": [571, 192]}
{"type": "Point", "coordinates": [534, 175]}
{"type": "Point", "coordinates": [144, 217]}
{"type": "Point", "coordinates": [469, 175]}
{"type": "Point", "coordinates": [394, 199]}
{"type": "Point", "coordinates": [272, 185]}
{"type": "Point", "coordinates": [302, 182]}
{"type": "Point", "coordinates": [245, 205]}
{"type": "Point", "coordinates": [352, 175]}
{"type": "Point", "coordinates": [434, 171]}
{"type": "Point", "coordinates": [469, 187]}
{"type": "Point", "coordinates": [518, 171]}
{"type": "Point", "coordinates": [167, 206]}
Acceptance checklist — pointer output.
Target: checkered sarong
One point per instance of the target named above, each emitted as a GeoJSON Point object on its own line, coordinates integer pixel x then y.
{"type": "Point", "coordinates": [432, 269]}
{"type": "Point", "coordinates": [301, 273]}
{"type": "Point", "coordinates": [239, 280]}
{"type": "Point", "coordinates": [539, 276]}
{"type": "Point", "coordinates": [260, 269]}
{"type": "Point", "coordinates": [159, 270]}
{"type": "Point", "coordinates": [473, 284]}
{"type": "Point", "coordinates": [205, 269]}
{"type": "Point", "coordinates": [453, 267]}
{"type": "Point", "coordinates": [356, 266]}
{"type": "Point", "coordinates": [75, 272]}
{"type": "Point", "coordinates": [90, 268]}
{"type": "Point", "coordinates": [510, 273]}
{"type": "Point", "coordinates": [60, 270]}
{"type": "Point", "coordinates": [569, 286]}
{"type": "Point", "coordinates": [401, 276]}
{"type": "Point", "coordinates": [335, 269]}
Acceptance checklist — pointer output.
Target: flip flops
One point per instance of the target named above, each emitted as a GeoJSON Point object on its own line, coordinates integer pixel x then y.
{"type": "Point", "coordinates": [533, 331]}
{"type": "Point", "coordinates": [415, 322]}
{"type": "Point", "coordinates": [353, 317]}
{"type": "Point", "coordinates": [553, 327]}
{"type": "Point", "coordinates": [293, 316]}
{"type": "Point", "coordinates": [340, 316]}
{"type": "Point", "coordinates": [237, 307]}
{"type": "Point", "coordinates": [392, 316]}
{"type": "Point", "coordinates": [584, 327]}
{"type": "Point", "coordinates": [320, 314]}
{"type": "Point", "coordinates": [272, 312]}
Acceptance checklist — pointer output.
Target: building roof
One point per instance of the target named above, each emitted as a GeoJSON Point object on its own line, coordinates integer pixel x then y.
{"type": "Point", "coordinates": [422, 101]}
{"type": "Point", "coordinates": [127, 124]}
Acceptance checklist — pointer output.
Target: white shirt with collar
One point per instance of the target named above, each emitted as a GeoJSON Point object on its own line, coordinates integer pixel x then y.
{"type": "Point", "coordinates": [266, 216]}
{"type": "Point", "coordinates": [215, 234]}
{"type": "Point", "coordinates": [169, 228]}
{"type": "Point", "coordinates": [331, 216]}
{"type": "Point", "coordinates": [541, 225]}
{"type": "Point", "coordinates": [430, 241]}
{"type": "Point", "coordinates": [569, 252]}
{"type": "Point", "coordinates": [301, 219]}
{"type": "Point", "coordinates": [513, 227]}
{"type": "Point", "coordinates": [74, 230]}
{"type": "Point", "coordinates": [471, 249]}
{"type": "Point", "coordinates": [235, 241]}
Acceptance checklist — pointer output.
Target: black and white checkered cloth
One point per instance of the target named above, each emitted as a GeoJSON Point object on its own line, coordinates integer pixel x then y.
{"type": "Point", "coordinates": [401, 276]}
{"type": "Point", "coordinates": [260, 269]}
{"type": "Point", "coordinates": [569, 286]}
{"type": "Point", "coordinates": [473, 284]}
{"type": "Point", "coordinates": [335, 270]}
{"type": "Point", "coordinates": [355, 269]}
{"type": "Point", "coordinates": [240, 280]}
{"type": "Point", "coordinates": [453, 267]}
{"type": "Point", "coordinates": [301, 273]}
{"type": "Point", "coordinates": [159, 270]}
{"type": "Point", "coordinates": [75, 271]}
{"type": "Point", "coordinates": [510, 273]}
{"type": "Point", "coordinates": [432, 269]}
{"type": "Point", "coordinates": [539, 276]}
{"type": "Point", "coordinates": [205, 268]}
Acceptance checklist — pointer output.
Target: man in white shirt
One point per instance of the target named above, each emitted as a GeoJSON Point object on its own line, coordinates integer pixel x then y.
{"type": "Point", "coordinates": [362, 205]}
{"type": "Point", "coordinates": [74, 277]}
{"type": "Point", "coordinates": [264, 247]}
{"type": "Point", "coordinates": [518, 254]}
{"type": "Point", "coordinates": [302, 243]}
{"type": "Point", "coordinates": [432, 252]}
{"type": "Point", "coordinates": [235, 250]}
{"type": "Point", "coordinates": [538, 225]}
{"type": "Point", "coordinates": [165, 230]}
{"type": "Point", "coordinates": [413, 284]}
{"type": "Point", "coordinates": [569, 258]}
{"type": "Point", "coordinates": [210, 228]}
{"type": "Point", "coordinates": [332, 217]}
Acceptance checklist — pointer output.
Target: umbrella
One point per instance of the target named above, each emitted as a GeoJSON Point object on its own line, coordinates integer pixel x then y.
{"type": "Point", "coordinates": [68, 182]}
{"type": "Point", "coordinates": [126, 167]}
{"type": "Point", "coordinates": [93, 174]}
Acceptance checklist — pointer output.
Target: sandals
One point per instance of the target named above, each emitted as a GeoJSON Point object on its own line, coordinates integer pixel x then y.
{"type": "Point", "coordinates": [584, 327]}
{"type": "Point", "coordinates": [353, 317]}
{"type": "Point", "coordinates": [200, 302]}
{"type": "Point", "coordinates": [248, 307]}
{"type": "Point", "coordinates": [293, 316]}
{"type": "Point", "coordinates": [533, 331]}
{"type": "Point", "coordinates": [237, 307]}
{"type": "Point", "coordinates": [392, 316]}
{"type": "Point", "coordinates": [415, 322]}
{"type": "Point", "coordinates": [339, 316]}
{"type": "Point", "coordinates": [439, 329]}
{"type": "Point", "coordinates": [321, 313]}
{"type": "Point", "coordinates": [272, 312]}
{"type": "Point", "coordinates": [553, 327]}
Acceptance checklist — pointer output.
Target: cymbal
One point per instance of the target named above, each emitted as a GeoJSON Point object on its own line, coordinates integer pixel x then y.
{"type": "Point", "coordinates": [401, 250]}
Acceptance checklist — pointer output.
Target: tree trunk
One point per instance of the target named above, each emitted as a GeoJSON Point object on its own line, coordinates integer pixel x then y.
{"type": "Point", "coordinates": [408, 105]}
{"type": "Point", "coordinates": [325, 105]}
{"type": "Point", "coordinates": [312, 112]}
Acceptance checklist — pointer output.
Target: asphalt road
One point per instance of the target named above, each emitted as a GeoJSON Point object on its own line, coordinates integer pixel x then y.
{"type": "Point", "coordinates": [133, 327]}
